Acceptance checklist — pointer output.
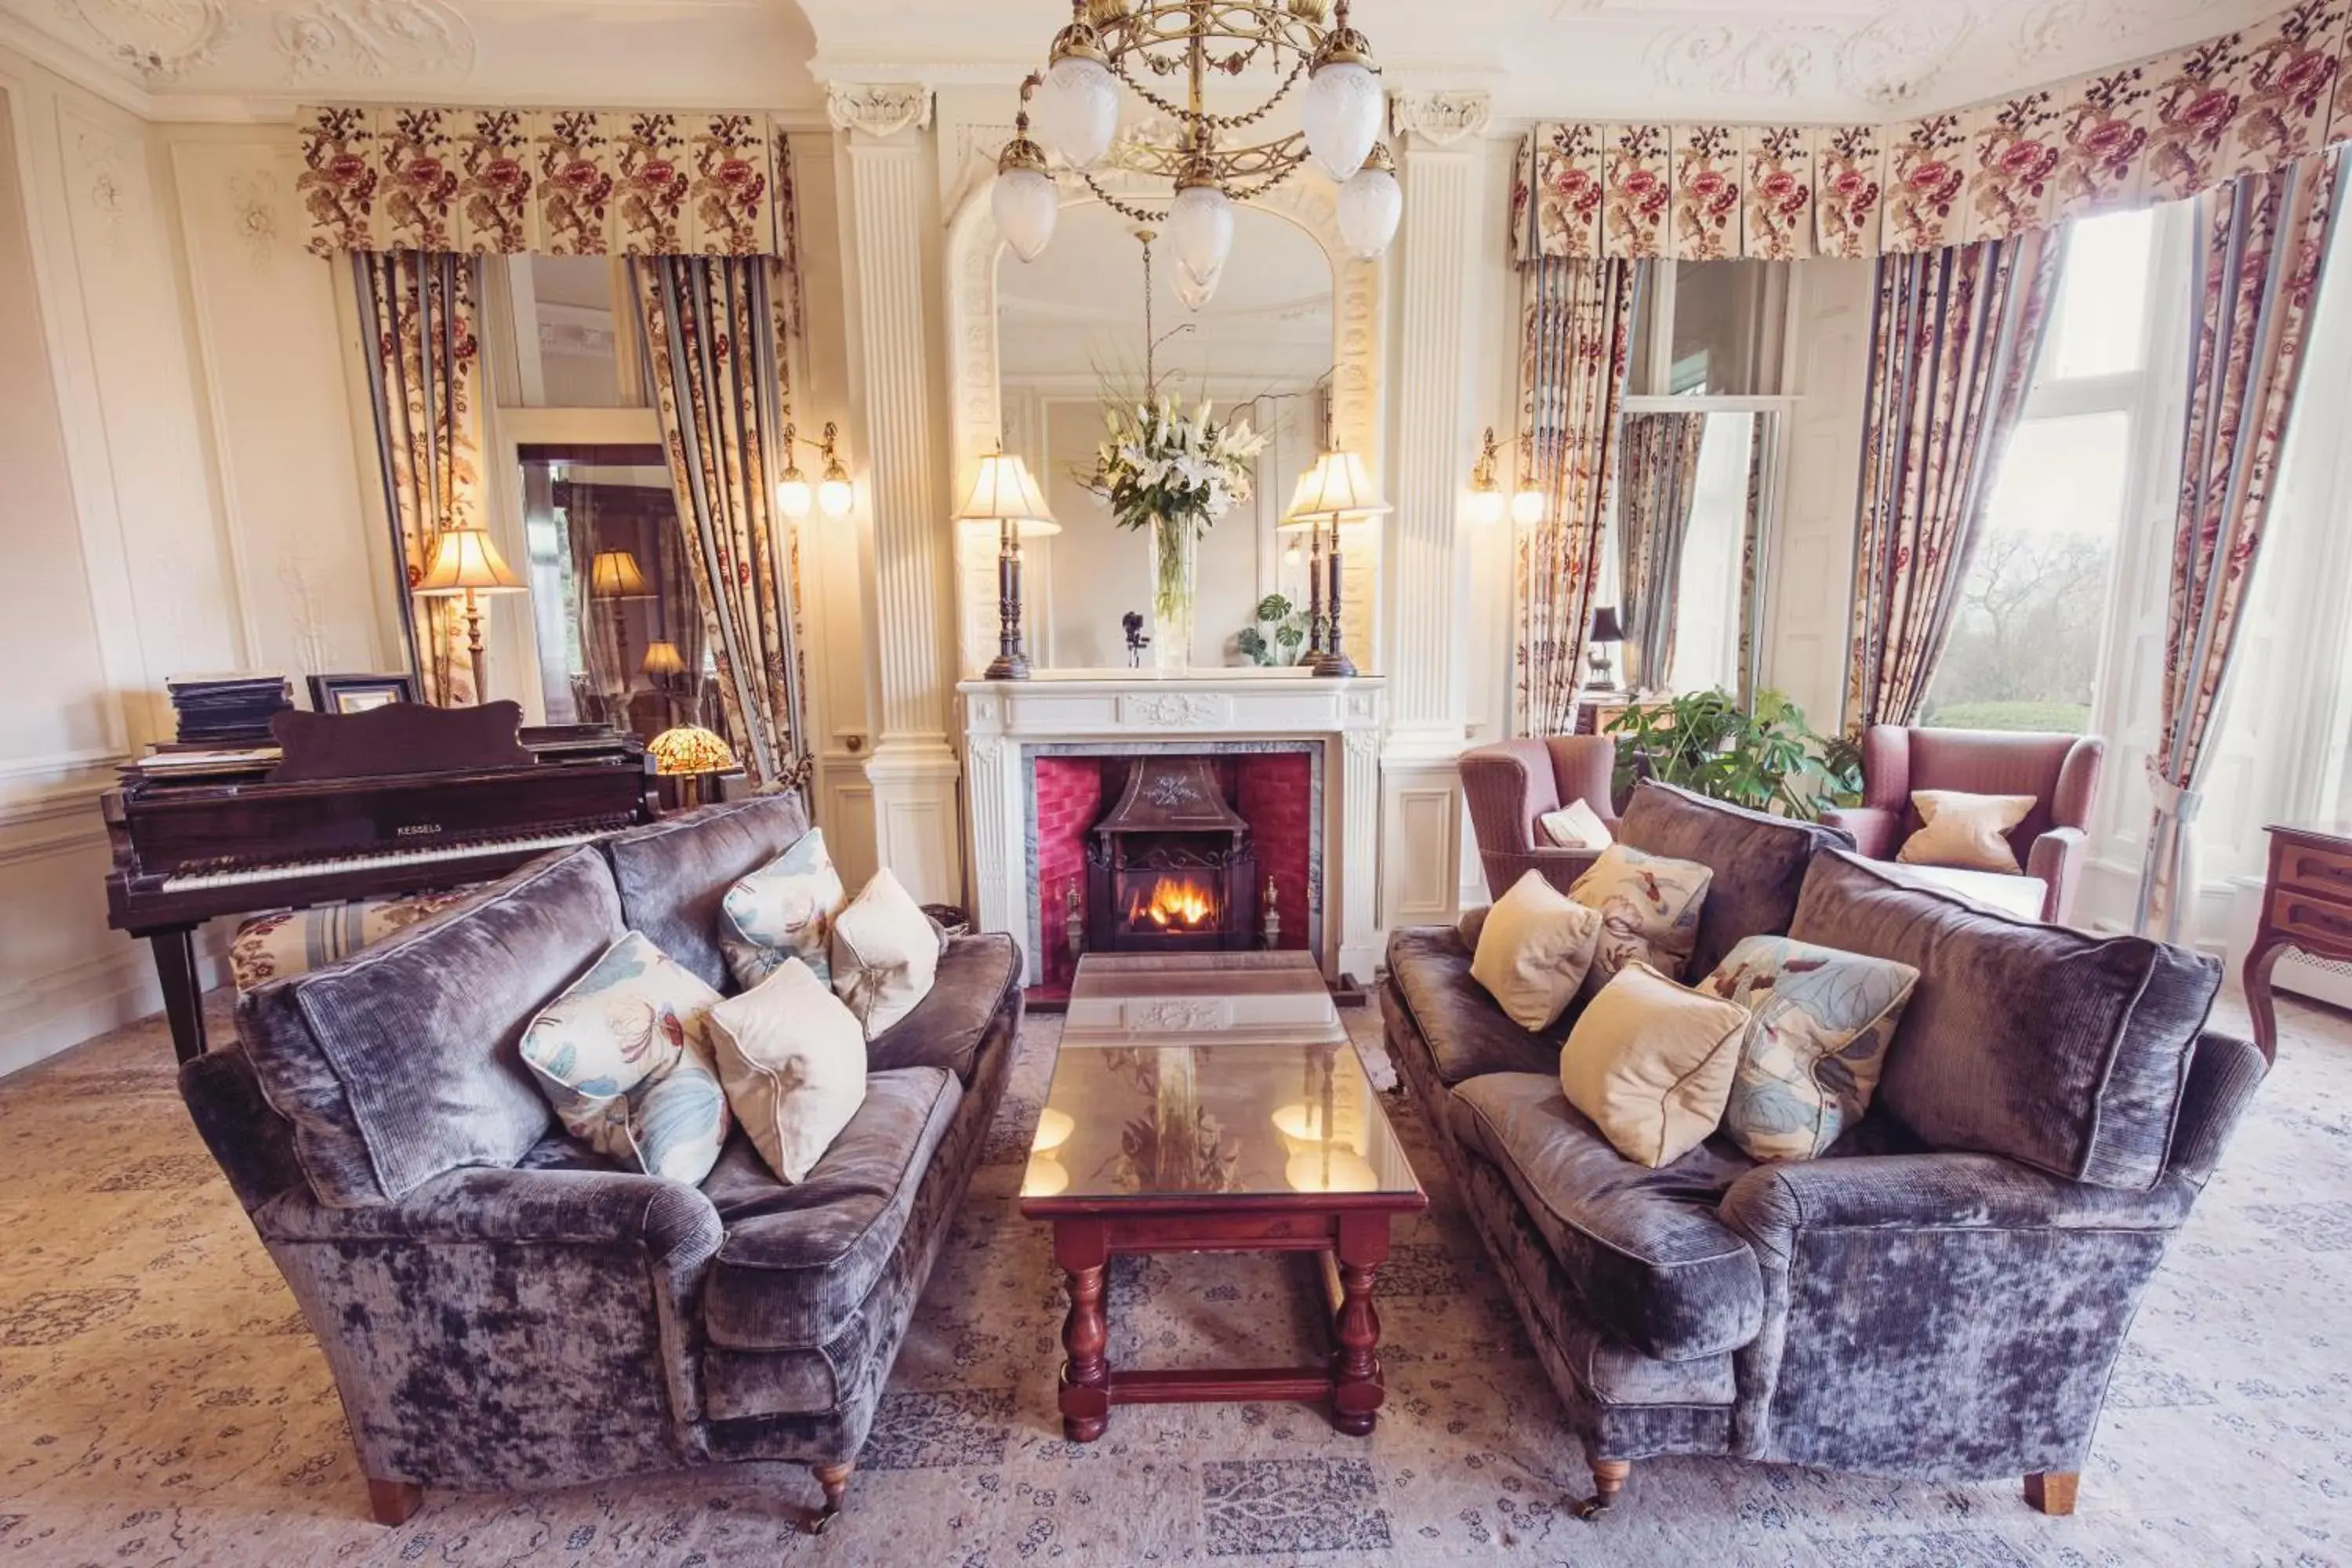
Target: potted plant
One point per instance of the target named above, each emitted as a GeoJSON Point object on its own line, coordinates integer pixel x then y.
{"type": "Point", "coordinates": [1764, 758]}
{"type": "Point", "coordinates": [1280, 632]}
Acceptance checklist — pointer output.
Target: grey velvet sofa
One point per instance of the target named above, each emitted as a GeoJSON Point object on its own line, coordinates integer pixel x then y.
{"type": "Point", "coordinates": [504, 1309]}
{"type": "Point", "coordinates": [1945, 1294]}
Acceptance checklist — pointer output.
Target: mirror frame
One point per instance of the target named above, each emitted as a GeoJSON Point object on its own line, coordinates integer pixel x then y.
{"type": "Point", "coordinates": [975, 251]}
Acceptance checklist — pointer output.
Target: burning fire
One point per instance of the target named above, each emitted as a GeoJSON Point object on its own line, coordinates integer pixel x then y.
{"type": "Point", "coordinates": [1178, 903]}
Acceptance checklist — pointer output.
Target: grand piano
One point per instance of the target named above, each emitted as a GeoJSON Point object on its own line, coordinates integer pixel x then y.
{"type": "Point", "coordinates": [401, 799]}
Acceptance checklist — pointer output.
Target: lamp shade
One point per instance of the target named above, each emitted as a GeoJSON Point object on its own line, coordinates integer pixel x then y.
{"type": "Point", "coordinates": [1003, 492]}
{"type": "Point", "coordinates": [1605, 625]}
{"type": "Point", "coordinates": [1078, 107]}
{"type": "Point", "coordinates": [614, 574]}
{"type": "Point", "coordinates": [1335, 487]}
{"type": "Point", "coordinates": [464, 560]}
{"type": "Point", "coordinates": [1026, 207]}
{"type": "Point", "coordinates": [1370, 204]}
{"type": "Point", "coordinates": [662, 659]}
{"type": "Point", "coordinates": [689, 749]}
{"type": "Point", "coordinates": [1340, 111]}
{"type": "Point", "coordinates": [1200, 225]}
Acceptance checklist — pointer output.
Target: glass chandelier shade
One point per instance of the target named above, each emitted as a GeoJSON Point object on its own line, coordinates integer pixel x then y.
{"type": "Point", "coordinates": [1371, 205]}
{"type": "Point", "coordinates": [1078, 106]}
{"type": "Point", "coordinates": [1340, 111]}
{"type": "Point", "coordinates": [1201, 227]}
{"type": "Point", "coordinates": [1194, 293]}
{"type": "Point", "coordinates": [1026, 207]}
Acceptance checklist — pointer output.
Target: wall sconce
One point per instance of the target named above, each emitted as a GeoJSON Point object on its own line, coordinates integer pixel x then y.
{"type": "Point", "coordinates": [833, 491]}
{"type": "Point", "coordinates": [1005, 495]}
{"type": "Point", "coordinates": [1486, 504]}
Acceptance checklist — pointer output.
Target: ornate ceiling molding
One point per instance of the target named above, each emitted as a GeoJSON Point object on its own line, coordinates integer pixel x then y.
{"type": "Point", "coordinates": [879, 109]}
{"type": "Point", "coordinates": [160, 39]}
{"type": "Point", "coordinates": [1443, 117]}
{"type": "Point", "coordinates": [327, 38]}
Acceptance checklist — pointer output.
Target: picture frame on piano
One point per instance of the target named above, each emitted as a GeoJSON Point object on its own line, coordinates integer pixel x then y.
{"type": "Point", "coordinates": [360, 693]}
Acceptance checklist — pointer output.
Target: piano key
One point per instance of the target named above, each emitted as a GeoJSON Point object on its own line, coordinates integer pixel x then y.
{"type": "Point", "coordinates": [247, 875]}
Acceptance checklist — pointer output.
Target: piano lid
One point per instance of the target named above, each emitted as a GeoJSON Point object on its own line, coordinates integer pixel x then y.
{"type": "Point", "coordinates": [397, 738]}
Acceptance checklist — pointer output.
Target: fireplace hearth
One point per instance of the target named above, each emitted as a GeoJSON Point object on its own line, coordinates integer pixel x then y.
{"type": "Point", "coordinates": [1171, 867]}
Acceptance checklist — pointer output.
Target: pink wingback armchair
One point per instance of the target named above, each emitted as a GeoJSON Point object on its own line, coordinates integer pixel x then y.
{"type": "Point", "coordinates": [1510, 783]}
{"type": "Point", "coordinates": [2061, 772]}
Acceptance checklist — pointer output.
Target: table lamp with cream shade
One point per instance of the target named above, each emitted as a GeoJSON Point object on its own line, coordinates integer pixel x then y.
{"type": "Point", "coordinates": [464, 560]}
{"type": "Point", "coordinates": [614, 577]}
{"type": "Point", "coordinates": [1337, 490]}
{"type": "Point", "coordinates": [1003, 493]}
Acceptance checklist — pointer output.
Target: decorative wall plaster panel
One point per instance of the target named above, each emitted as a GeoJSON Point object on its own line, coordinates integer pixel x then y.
{"type": "Point", "coordinates": [253, 198]}
{"type": "Point", "coordinates": [1444, 117]}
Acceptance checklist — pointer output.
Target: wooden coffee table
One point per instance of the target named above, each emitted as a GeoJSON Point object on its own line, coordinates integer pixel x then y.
{"type": "Point", "coordinates": [1212, 1102]}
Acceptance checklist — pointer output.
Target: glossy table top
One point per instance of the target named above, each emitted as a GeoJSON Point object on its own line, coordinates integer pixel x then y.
{"type": "Point", "coordinates": [1208, 1076]}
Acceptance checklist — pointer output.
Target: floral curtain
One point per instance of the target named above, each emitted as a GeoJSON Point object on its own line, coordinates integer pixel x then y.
{"type": "Point", "coordinates": [1654, 519]}
{"type": "Point", "coordinates": [1577, 323]}
{"type": "Point", "coordinates": [2262, 244]}
{"type": "Point", "coordinates": [418, 330]}
{"type": "Point", "coordinates": [2163, 129]}
{"type": "Point", "coordinates": [1953, 341]}
{"type": "Point", "coordinates": [714, 330]}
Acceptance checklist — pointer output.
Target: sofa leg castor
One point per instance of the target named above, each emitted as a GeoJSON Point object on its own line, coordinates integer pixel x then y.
{"type": "Point", "coordinates": [1608, 1483]}
{"type": "Point", "coordinates": [391, 1502]}
{"type": "Point", "coordinates": [2052, 1492]}
{"type": "Point", "coordinates": [834, 1479]}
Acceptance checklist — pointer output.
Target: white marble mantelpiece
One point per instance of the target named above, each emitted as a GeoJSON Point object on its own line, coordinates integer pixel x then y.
{"type": "Point", "coordinates": [1004, 721]}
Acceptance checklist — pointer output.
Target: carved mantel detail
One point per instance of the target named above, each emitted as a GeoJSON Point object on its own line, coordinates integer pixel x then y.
{"type": "Point", "coordinates": [1443, 118]}
{"type": "Point", "coordinates": [879, 109]}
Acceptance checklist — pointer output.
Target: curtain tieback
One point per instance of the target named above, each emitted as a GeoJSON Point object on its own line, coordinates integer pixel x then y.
{"type": "Point", "coordinates": [2178, 802]}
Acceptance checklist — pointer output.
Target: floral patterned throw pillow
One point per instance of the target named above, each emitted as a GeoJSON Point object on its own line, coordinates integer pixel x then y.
{"type": "Point", "coordinates": [1819, 1023]}
{"type": "Point", "coordinates": [784, 910]}
{"type": "Point", "coordinates": [1649, 908]}
{"type": "Point", "coordinates": [626, 1058]}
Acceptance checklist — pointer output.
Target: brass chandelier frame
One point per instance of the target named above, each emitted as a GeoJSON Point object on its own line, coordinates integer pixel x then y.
{"type": "Point", "coordinates": [1143, 41]}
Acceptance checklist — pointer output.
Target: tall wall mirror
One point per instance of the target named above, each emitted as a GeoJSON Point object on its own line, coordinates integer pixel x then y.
{"type": "Point", "coordinates": [1071, 333]}
{"type": "Point", "coordinates": [1689, 533]}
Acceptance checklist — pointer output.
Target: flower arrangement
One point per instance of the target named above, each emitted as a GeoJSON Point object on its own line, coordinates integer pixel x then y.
{"type": "Point", "coordinates": [1176, 474]}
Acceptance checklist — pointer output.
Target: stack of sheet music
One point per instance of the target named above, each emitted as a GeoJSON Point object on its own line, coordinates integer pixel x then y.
{"type": "Point", "coordinates": [227, 709]}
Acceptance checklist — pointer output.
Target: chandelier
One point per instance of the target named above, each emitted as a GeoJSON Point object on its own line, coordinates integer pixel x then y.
{"type": "Point", "coordinates": [1149, 46]}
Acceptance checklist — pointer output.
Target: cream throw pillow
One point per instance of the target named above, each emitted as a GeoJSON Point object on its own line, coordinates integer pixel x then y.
{"type": "Point", "coordinates": [886, 953]}
{"type": "Point", "coordinates": [1651, 1063]}
{"type": "Point", "coordinates": [793, 1057]}
{"type": "Point", "coordinates": [1575, 825]}
{"type": "Point", "coordinates": [1961, 829]}
{"type": "Point", "coordinates": [1533, 951]}
{"type": "Point", "coordinates": [1649, 908]}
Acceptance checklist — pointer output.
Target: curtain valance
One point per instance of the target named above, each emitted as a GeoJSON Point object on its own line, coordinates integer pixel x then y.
{"type": "Point", "coordinates": [559, 182]}
{"type": "Point", "coordinates": [2163, 130]}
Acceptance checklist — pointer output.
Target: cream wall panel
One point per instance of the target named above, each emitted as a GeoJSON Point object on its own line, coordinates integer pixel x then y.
{"type": "Point", "coordinates": [263, 315]}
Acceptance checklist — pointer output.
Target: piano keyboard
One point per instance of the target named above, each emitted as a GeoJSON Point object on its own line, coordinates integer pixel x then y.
{"type": "Point", "coordinates": [242, 876]}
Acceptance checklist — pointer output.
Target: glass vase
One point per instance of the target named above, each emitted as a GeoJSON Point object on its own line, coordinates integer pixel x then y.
{"type": "Point", "coordinates": [1175, 563]}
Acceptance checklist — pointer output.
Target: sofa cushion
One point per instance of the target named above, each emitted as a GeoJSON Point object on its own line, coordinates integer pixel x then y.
{"type": "Point", "coordinates": [406, 1061]}
{"type": "Point", "coordinates": [1533, 949]}
{"type": "Point", "coordinates": [798, 1259]}
{"type": "Point", "coordinates": [674, 873]}
{"type": "Point", "coordinates": [784, 910]}
{"type": "Point", "coordinates": [1758, 861]}
{"type": "Point", "coordinates": [1819, 1023]}
{"type": "Point", "coordinates": [1650, 907]}
{"type": "Point", "coordinates": [794, 1061]}
{"type": "Point", "coordinates": [978, 977]}
{"type": "Point", "coordinates": [1643, 1248]}
{"type": "Point", "coordinates": [2061, 1050]}
{"type": "Point", "coordinates": [1651, 1063]}
{"type": "Point", "coordinates": [886, 953]}
{"type": "Point", "coordinates": [288, 942]}
{"type": "Point", "coordinates": [1466, 1031]}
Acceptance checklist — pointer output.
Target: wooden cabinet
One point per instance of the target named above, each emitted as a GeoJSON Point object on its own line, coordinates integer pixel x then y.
{"type": "Point", "coordinates": [2306, 908]}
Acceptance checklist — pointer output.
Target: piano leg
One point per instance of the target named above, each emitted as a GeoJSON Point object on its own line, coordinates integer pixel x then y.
{"type": "Point", "coordinates": [183, 996]}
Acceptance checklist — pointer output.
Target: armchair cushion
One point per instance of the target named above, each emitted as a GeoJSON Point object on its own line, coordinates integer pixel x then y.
{"type": "Point", "coordinates": [1468, 1034]}
{"type": "Point", "coordinates": [2023, 896]}
{"type": "Point", "coordinates": [1964, 830]}
{"type": "Point", "coordinates": [1758, 861]}
{"type": "Point", "coordinates": [1643, 1248]}
{"type": "Point", "coordinates": [1575, 825]}
{"type": "Point", "coordinates": [798, 1259]}
{"type": "Point", "coordinates": [2061, 1050]}
{"type": "Point", "coordinates": [405, 1062]}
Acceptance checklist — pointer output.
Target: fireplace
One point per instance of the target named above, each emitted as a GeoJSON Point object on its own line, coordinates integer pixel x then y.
{"type": "Point", "coordinates": [1171, 867]}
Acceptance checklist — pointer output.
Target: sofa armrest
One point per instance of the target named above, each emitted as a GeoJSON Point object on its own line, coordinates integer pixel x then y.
{"type": "Point", "coordinates": [1772, 1204]}
{"type": "Point", "coordinates": [1937, 1314]}
{"type": "Point", "coordinates": [674, 1223]}
{"type": "Point", "coordinates": [2056, 857]}
{"type": "Point", "coordinates": [1875, 828]}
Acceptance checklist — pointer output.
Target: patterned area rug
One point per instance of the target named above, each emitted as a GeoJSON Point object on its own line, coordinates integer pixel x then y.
{"type": "Point", "coordinates": [162, 1401]}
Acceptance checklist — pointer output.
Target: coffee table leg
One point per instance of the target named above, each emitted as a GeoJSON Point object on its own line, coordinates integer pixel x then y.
{"type": "Point", "coordinates": [1356, 1391]}
{"type": "Point", "coordinates": [1082, 1249]}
